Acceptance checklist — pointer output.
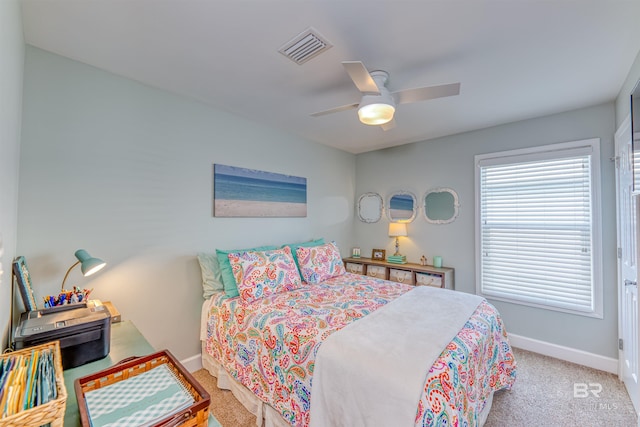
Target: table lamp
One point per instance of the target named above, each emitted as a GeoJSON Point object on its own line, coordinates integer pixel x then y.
{"type": "Point", "coordinates": [397, 229]}
{"type": "Point", "coordinates": [88, 265]}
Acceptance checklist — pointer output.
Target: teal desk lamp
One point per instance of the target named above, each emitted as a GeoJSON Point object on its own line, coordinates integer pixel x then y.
{"type": "Point", "coordinates": [89, 265]}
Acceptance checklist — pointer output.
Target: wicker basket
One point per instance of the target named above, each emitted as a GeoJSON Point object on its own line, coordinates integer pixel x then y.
{"type": "Point", "coordinates": [50, 412]}
{"type": "Point", "coordinates": [195, 415]}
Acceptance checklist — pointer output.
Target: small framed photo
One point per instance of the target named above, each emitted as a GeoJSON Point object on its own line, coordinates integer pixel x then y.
{"type": "Point", "coordinates": [355, 253]}
{"type": "Point", "coordinates": [21, 273]}
{"type": "Point", "coordinates": [378, 254]}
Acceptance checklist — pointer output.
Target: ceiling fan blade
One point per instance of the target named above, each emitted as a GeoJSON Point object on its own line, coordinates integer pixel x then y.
{"type": "Point", "coordinates": [335, 110]}
{"type": "Point", "coordinates": [424, 93]}
{"type": "Point", "coordinates": [361, 77]}
{"type": "Point", "coordinates": [389, 125]}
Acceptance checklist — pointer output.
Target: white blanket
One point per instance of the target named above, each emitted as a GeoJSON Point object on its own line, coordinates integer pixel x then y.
{"type": "Point", "coordinates": [372, 372]}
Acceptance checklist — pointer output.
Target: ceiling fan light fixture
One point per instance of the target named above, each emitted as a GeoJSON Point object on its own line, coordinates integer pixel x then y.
{"type": "Point", "coordinates": [376, 109]}
{"type": "Point", "coordinates": [377, 105]}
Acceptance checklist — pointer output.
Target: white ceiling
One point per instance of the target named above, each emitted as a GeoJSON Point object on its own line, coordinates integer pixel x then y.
{"type": "Point", "coordinates": [515, 59]}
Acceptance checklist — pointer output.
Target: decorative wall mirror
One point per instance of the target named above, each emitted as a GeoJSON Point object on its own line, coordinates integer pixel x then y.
{"type": "Point", "coordinates": [402, 207]}
{"type": "Point", "coordinates": [370, 207]}
{"type": "Point", "coordinates": [441, 206]}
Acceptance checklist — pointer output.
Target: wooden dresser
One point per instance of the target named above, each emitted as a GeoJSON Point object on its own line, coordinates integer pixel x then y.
{"type": "Point", "coordinates": [413, 274]}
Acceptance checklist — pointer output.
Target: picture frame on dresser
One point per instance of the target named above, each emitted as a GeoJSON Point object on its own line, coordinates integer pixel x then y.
{"type": "Point", "coordinates": [378, 254]}
{"type": "Point", "coordinates": [22, 277]}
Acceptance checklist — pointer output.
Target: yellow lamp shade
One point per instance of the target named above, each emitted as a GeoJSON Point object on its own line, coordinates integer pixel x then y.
{"type": "Point", "coordinates": [397, 229]}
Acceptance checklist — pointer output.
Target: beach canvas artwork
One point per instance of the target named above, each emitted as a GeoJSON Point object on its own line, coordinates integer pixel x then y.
{"type": "Point", "coordinates": [241, 192]}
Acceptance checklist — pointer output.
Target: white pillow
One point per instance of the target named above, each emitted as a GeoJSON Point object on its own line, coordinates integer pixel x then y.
{"type": "Point", "coordinates": [211, 274]}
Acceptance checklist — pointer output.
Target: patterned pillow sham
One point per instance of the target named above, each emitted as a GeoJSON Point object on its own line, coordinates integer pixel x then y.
{"type": "Point", "coordinates": [263, 273]}
{"type": "Point", "coordinates": [295, 246]}
{"type": "Point", "coordinates": [229, 282]}
{"type": "Point", "coordinates": [319, 263]}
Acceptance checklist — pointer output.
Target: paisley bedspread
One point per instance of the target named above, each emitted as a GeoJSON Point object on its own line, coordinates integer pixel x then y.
{"type": "Point", "coordinates": [270, 345]}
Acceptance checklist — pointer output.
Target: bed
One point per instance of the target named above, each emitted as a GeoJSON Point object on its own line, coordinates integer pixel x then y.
{"type": "Point", "coordinates": [270, 346]}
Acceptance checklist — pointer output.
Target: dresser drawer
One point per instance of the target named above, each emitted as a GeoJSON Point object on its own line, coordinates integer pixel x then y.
{"type": "Point", "coordinates": [377, 271]}
{"type": "Point", "coordinates": [427, 279]}
{"type": "Point", "coordinates": [409, 273]}
{"type": "Point", "coordinates": [401, 276]}
{"type": "Point", "coordinates": [352, 267]}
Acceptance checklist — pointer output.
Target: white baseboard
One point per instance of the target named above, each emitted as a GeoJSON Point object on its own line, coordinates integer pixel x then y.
{"type": "Point", "coordinates": [193, 363]}
{"type": "Point", "coordinates": [573, 355]}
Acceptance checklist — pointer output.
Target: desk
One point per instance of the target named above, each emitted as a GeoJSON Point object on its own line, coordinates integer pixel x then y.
{"type": "Point", "coordinates": [126, 341]}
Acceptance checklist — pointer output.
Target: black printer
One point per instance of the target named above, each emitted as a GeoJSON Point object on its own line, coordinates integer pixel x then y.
{"type": "Point", "coordinates": [83, 329]}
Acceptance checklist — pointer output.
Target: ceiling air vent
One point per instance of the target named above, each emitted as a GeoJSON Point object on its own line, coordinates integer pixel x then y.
{"type": "Point", "coordinates": [305, 46]}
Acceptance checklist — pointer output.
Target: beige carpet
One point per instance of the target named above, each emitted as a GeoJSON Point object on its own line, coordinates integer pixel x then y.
{"type": "Point", "coordinates": [548, 392]}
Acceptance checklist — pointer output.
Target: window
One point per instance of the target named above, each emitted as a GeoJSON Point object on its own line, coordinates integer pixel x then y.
{"type": "Point", "coordinates": [538, 239]}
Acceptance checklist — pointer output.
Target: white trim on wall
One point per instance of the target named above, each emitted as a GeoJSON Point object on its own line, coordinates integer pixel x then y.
{"type": "Point", "coordinates": [193, 363]}
{"type": "Point", "coordinates": [568, 354]}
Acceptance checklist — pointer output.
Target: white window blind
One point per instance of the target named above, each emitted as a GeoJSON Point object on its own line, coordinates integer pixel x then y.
{"type": "Point", "coordinates": [536, 233]}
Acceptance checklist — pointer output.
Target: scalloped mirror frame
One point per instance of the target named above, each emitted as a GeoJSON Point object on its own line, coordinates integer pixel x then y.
{"type": "Point", "coordinates": [455, 207]}
{"type": "Point", "coordinates": [370, 207]}
{"type": "Point", "coordinates": [402, 218]}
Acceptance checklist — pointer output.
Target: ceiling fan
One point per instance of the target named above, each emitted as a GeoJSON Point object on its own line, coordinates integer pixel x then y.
{"type": "Point", "coordinates": [378, 105]}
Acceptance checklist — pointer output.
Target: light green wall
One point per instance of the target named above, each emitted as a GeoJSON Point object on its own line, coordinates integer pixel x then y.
{"type": "Point", "coordinates": [11, 71]}
{"type": "Point", "coordinates": [449, 162]}
{"type": "Point", "coordinates": [125, 171]}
